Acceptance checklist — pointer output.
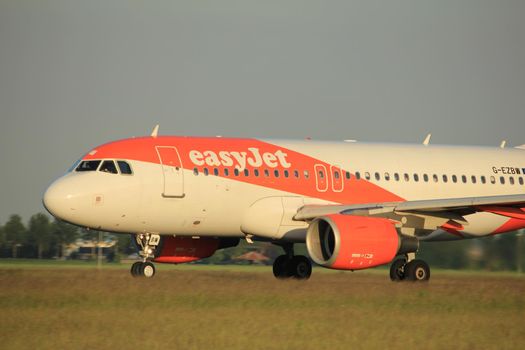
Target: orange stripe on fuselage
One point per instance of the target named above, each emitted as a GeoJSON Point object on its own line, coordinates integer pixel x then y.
{"type": "Point", "coordinates": [143, 149]}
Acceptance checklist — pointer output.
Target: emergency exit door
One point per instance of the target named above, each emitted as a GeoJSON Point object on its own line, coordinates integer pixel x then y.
{"type": "Point", "coordinates": [321, 180]}
{"type": "Point", "coordinates": [171, 171]}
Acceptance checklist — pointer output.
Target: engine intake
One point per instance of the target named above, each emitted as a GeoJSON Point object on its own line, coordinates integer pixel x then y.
{"type": "Point", "coordinates": [348, 242]}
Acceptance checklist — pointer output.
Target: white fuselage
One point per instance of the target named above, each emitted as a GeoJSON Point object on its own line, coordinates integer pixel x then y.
{"type": "Point", "coordinates": [189, 199]}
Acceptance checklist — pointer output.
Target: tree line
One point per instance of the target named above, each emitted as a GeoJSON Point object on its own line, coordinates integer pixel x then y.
{"type": "Point", "coordinates": [43, 238]}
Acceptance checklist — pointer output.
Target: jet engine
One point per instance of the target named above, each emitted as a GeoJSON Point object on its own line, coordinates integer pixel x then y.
{"type": "Point", "coordinates": [347, 242]}
{"type": "Point", "coordinates": [176, 250]}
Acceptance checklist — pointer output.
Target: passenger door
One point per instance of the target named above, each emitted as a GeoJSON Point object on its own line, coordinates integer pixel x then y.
{"type": "Point", "coordinates": [172, 171]}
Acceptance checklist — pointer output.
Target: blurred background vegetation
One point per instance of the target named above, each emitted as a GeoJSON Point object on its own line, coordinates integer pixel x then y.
{"type": "Point", "coordinates": [43, 238]}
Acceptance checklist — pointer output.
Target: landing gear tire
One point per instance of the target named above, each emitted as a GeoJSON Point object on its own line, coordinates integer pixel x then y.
{"type": "Point", "coordinates": [417, 271]}
{"type": "Point", "coordinates": [135, 269]}
{"type": "Point", "coordinates": [147, 244]}
{"type": "Point", "coordinates": [143, 269]}
{"type": "Point", "coordinates": [298, 267]}
{"type": "Point", "coordinates": [301, 267]}
{"type": "Point", "coordinates": [148, 270]}
{"type": "Point", "coordinates": [397, 270]}
{"type": "Point", "coordinates": [281, 267]}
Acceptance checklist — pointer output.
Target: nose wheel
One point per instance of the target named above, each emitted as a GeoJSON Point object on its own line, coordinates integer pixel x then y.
{"type": "Point", "coordinates": [147, 244]}
{"type": "Point", "coordinates": [143, 269]}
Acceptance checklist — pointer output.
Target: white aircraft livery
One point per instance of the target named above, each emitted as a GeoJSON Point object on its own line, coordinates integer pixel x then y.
{"type": "Point", "coordinates": [355, 205]}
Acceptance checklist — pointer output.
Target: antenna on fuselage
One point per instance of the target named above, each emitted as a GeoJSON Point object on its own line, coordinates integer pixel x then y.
{"type": "Point", "coordinates": [503, 144]}
{"type": "Point", "coordinates": [155, 131]}
{"type": "Point", "coordinates": [427, 140]}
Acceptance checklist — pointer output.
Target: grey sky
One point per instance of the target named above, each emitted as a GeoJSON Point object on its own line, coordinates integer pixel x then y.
{"type": "Point", "coordinates": [74, 74]}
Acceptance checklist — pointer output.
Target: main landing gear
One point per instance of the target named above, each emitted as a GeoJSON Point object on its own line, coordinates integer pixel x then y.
{"type": "Point", "coordinates": [292, 266]}
{"type": "Point", "coordinates": [409, 269]}
{"type": "Point", "coordinates": [147, 243]}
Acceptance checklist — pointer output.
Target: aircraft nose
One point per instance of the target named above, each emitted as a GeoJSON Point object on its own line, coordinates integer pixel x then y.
{"type": "Point", "coordinates": [57, 200]}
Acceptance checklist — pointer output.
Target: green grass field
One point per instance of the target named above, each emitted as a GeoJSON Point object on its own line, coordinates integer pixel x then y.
{"type": "Point", "coordinates": [56, 305]}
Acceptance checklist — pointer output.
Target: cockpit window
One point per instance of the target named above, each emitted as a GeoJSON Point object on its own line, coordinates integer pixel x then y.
{"type": "Point", "coordinates": [108, 167]}
{"type": "Point", "coordinates": [124, 167]}
{"type": "Point", "coordinates": [74, 166]}
{"type": "Point", "coordinates": [88, 165]}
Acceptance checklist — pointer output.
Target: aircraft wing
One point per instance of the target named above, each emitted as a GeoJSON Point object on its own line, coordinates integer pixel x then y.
{"type": "Point", "coordinates": [425, 214]}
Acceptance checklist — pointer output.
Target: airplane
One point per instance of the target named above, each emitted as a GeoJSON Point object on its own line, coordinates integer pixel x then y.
{"type": "Point", "coordinates": [356, 205]}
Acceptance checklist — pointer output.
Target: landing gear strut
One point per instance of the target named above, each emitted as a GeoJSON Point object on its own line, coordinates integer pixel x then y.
{"type": "Point", "coordinates": [409, 269]}
{"type": "Point", "coordinates": [292, 266]}
{"type": "Point", "coordinates": [147, 243]}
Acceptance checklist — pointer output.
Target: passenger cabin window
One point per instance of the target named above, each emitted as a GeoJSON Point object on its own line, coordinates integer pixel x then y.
{"type": "Point", "coordinates": [88, 165]}
{"type": "Point", "coordinates": [454, 178]}
{"type": "Point", "coordinates": [236, 172]}
{"type": "Point", "coordinates": [473, 179]}
{"type": "Point", "coordinates": [396, 176]}
{"type": "Point", "coordinates": [367, 175]}
{"type": "Point", "coordinates": [124, 167]}
{"type": "Point", "coordinates": [377, 176]}
{"type": "Point", "coordinates": [425, 177]}
{"type": "Point", "coordinates": [502, 180]}
{"type": "Point", "coordinates": [416, 177]}
{"type": "Point", "coordinates": [358, 175]}
{"type": "Point", "coordinates": [511, 180]}
{"type": "Point", "coordinates": [483, 179]}
{"type": "Point", "coordinates": [348, 175]}
{"type": "Point", "coordinates": [256, 172]}
{"type": "Point", "coordinates": [266, 173]}
{"type": "Point", "coordinates": [286, 174]}
{"type": "Point", "coordinates": [387, 176]}
{"type": "Point", "coordinates": [195, 171]}
{"type": "Point", "coordinates": [296, 173]}
{"type": "Point", "coordinates": [492, 180]}
{"type": "Point", "coordinates": [215, 171]}
{"type": "Point", "coordinates": [407, 177]}
{"type": "Point", "coordinates": [435, 178]}
{"type": "Point", "coordinates": [464, 179]}
{"type": "Point", "coordinates": [206, 172]}
{"type": "Point", "coordinates": [520, 180]}
{"type": "Point", "coordinates": [226, 172]}
{"type": "Point", "coordinates": [108, 167]}
{"type": "Point", "coordinates": [445, 178]}
{"type": "Point", "coordinates": [246, 172]}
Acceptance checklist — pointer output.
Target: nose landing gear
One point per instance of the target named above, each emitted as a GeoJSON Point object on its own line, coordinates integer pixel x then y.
{"type": "Point", "coordinates": [143, 269]}
{"type": "Point", "coordinates": [147, 243]}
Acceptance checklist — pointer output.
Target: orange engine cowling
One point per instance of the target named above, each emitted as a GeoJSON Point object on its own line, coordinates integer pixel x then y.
{"type": "Point", "coordinates": [347, 242]}
{"type": "Point", "coordinates": [176, 250]}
